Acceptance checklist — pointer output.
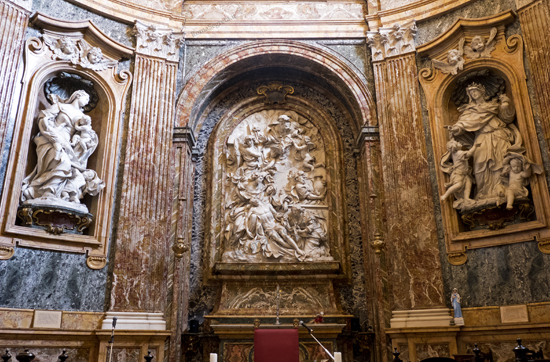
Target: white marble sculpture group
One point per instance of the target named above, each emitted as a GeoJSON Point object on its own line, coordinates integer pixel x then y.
{"type": "Point", "coordinates": [275, 191]}
{"type": "Point", "coordinates": [64, 144]}
{"type": "Point", "coordinates": [500, 168]}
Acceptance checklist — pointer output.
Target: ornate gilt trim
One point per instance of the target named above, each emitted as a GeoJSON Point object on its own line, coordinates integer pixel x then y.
{"type": "Point", "coordinates": [180, 248]}
{"type": "Point", "coordinates": [96, 262]}
{"type": "Point", "coordinates": [6, 252]}
{"type": "Point", "coordinates": [544, 246]}
{"type": "Point", "coordinates": [378, 244]}
{"type": "Point", "coordinates": [275, 92]}
{"type": "Point", "coordinates": [457, 258]}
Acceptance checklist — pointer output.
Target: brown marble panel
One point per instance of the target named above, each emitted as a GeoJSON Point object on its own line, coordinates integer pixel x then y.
{"type": "Point", "coordinates": [51, 354]}
{"type": "Point", "coordinates": [424, 351]}
{"type": "Point", "coordinates": [126, 355]}
{"type": "Point", "coordinates": [539, 312]}
{"type": "Point", "coordinates": [237, 352]}
{"type": "Point", "coordinates": [486, 316]}
{"type": "Point", "coordinates": [533, 19]}
{"type": "Point", "coordinates": [415, 269]}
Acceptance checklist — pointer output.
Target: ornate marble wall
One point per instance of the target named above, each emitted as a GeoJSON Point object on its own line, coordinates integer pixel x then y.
{"type": "Point", "coordinates": [58, 280]}
{"type": "Point", "coordinates": [519, 272]}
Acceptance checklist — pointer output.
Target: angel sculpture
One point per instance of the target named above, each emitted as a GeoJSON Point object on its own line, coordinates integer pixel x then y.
{"type": "Point", "coordinates": [63, 48]}
{"type": "Point", "coordinates": [515, 176]}
{"type": "Point", "coordinates": [92, 58]}
{"type": "Point", "coordinates": [479, 49]}
{"type": "Point", "coordinates": [455, 60]}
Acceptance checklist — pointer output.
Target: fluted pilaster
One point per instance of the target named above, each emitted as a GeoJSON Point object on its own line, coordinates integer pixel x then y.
{"type": "Point", "coordinates": [535, 25]}
{"type": "Point", "coordinates": [14, 17]}
{"type": "Point", "coordinates": [143, 250]}
{"type": "Point", "coordinates": [414, 268]}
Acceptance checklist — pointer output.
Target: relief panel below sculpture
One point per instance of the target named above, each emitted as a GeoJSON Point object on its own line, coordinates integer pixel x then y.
{"type": "Point", "coordinates": [261, 299]}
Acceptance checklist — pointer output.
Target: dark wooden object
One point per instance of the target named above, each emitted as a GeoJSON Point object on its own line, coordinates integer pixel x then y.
{"type": "Point", "coordinates": [149, 357]}
{"type": "Point", "coordinates": [63, 356]}
{"type": "Point", "coordinates": [6, 357]}
{"type": "Point", "coordinates": [25, 356]}
{"type": "Point", "coordinates": [482, 357]}
{"type": "Point", "coordinates": [524, 354]}
{"type": "Point", "coordinates": [396, 356]}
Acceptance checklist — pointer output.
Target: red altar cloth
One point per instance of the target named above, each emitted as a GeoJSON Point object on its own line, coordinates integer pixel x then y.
{"type": "Point", "coordinates": [276, 345]}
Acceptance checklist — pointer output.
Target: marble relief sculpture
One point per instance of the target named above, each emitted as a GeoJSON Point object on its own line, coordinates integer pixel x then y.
{"type": "Point", "coordinates": [64, 144]}
{"type": "Point", "coordinates": [275, 191]}
{"type": "Point", "coordinates": [499, 168]}
{"type": "Point", "coordinates": [78, 52]}
{"type": "Point", "coordinates": [455, 60]}
{"type": "Point", "coordinates": [478, 48]}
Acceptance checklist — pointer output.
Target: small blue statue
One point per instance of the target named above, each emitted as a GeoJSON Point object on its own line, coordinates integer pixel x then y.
{"type": "Point", "coordinates": [455, 300]}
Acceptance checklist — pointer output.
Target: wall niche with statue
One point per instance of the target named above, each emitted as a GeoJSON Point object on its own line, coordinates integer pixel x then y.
{"type": "Point", "coordinates": [60, 176]}
{"type": "Point", "coordinates": [490, 176]}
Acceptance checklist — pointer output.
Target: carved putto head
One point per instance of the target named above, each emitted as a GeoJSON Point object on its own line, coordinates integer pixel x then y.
{"type": "Point", "coordinates": [477, 44]}
{"type": "Point", "coordinates": [66, 45]}
{"type": "Point", "coordinates": [454, 145]}
{"type": "Point", "coordinates": [454, 56]}
{"type": "Point", "coordinates": [95, 55]}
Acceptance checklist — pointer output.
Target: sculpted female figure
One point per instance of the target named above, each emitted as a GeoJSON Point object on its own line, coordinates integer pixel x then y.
{"type": "Point", "coordinates": [60, 172]}
{"type": "Point", "coordinates": [490, 124]}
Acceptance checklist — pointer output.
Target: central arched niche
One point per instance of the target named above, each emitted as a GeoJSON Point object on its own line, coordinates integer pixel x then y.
{"type": "Point", "coordinates": [276, 188]}
{"type": "Point", "coordinates": [322, 102]}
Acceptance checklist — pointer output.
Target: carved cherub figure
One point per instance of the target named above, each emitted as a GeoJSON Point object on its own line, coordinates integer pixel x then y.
{"type": "Point", "coordinates": [515, 175]}
{"type": "Point", "coordinates": [92, 58]}
{"type": "Point", "coordinates": [302, 154]}
{"type": "Point", "coordinates": [460, 171]}
{"type": "Point", "coordinates": [63, 48]}
{"type": "Point", "coordinates": [86, 136]}
{"type": "Point", "coordinates": [455, 60]}
{"type": "Point", "coordinates": [479, 49]}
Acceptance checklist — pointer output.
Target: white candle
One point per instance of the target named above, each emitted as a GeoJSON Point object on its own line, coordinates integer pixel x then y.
{"type": "Point", "coordinates": [337, 357]}
{"type": "Point", "coordinates": [214, 357]}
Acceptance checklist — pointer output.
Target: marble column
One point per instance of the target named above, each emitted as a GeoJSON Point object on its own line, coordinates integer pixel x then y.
{"type": "Point", "coordinates": [14, 18]}
{"type": "Point", "coordinates": [182, 217]}
{"type": "Point", "coordinates": [535, 25]}
{"type": "Point", "coordinates": [143, 255]}
{"type": "Point", "coordinates": [414, 268]}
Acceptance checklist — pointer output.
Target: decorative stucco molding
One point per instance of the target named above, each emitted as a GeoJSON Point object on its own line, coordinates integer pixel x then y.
{"type": "Point", "coordinates": [390, 42]}
{"type": "Point", "coordinates": [158, 42]}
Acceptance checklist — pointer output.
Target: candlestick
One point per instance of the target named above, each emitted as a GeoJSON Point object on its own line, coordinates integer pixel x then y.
{"type": "Point", "coordinates": [213, 357]}
{"type": "Point", "coordinates": [337, 357]}
{"type": "Point", "coordinates": [278, 293]}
